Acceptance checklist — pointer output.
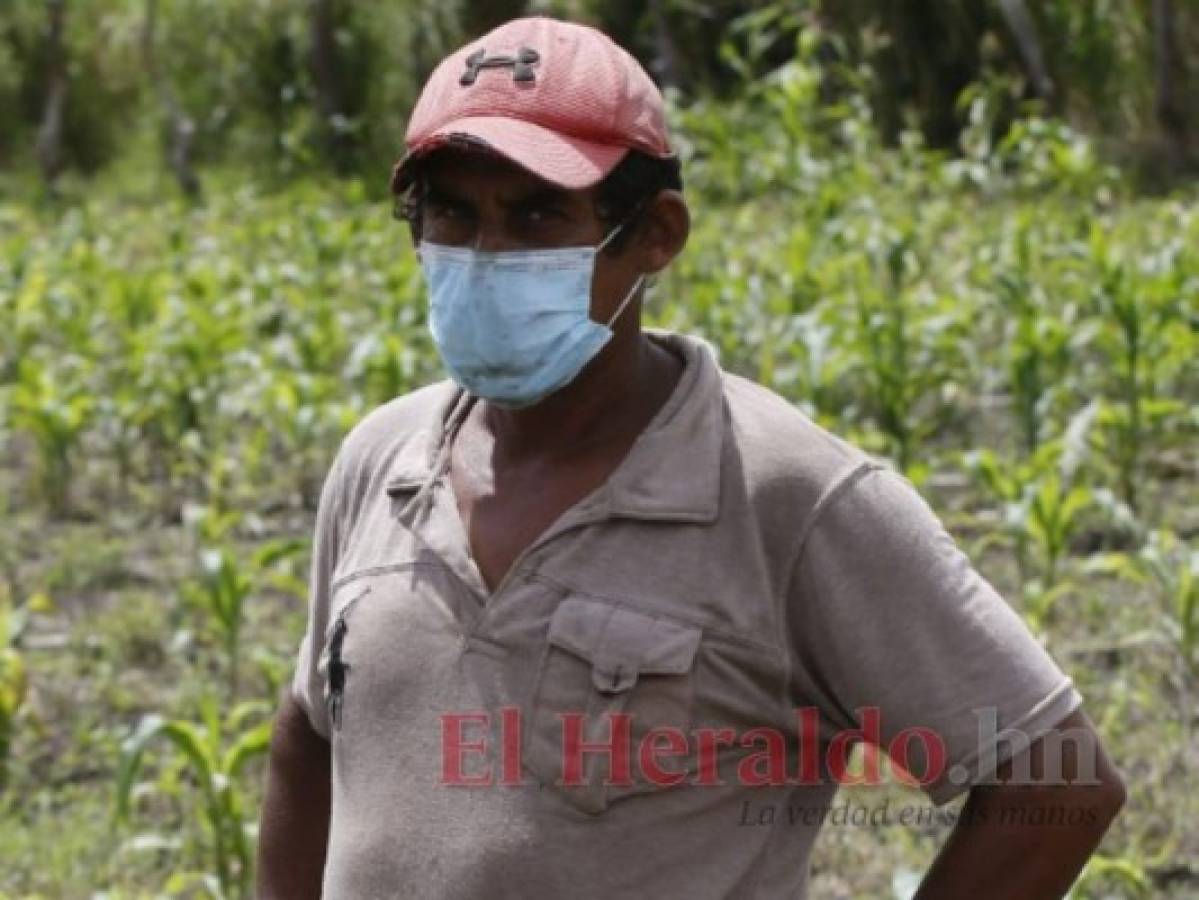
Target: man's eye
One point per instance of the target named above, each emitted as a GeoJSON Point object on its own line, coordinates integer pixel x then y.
{"type": "Point", "coordinates": [444, 209]}
{"type": "Point", "coordinates": [540, 215]}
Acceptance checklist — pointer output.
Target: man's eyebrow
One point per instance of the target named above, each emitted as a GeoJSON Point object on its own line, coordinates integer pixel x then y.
{"type": "Point", "coordinates": [439, 192]}
{"type": "Point", "coordinates": [536, 196]}
{"type": "Point", "coordinates": [542, 196]}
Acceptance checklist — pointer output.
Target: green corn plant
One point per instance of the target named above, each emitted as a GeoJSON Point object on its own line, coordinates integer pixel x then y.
{"type": "Point", "coordinates": [1052, 513]}
{"type": "Point", "coordinates": [1175, 567]}
{"type": "Point", "coordinates": [982, 106]}
{"type": "Point", "coordinates": [130, 303]}
{"type": "Point", "coordinates": [13, 684]}
{"type": "Point", "coordinates": [274, 565]}
{"type": "Point", "coordinates": [906, 339]}
{"type": "Point", "coordinates": [187, 364]}
{"type": "Point", "coordinates": [214, 754]}
{"type": "Point", "coordinates": [1102, 870]}
{"type": "Point", "coordinates": [818, 368]}
{"type": "Point", "coordinates": [1004, 480]}
{"type": "Point", "coordinates": [299, 405]}
{"type": "Point", "coordinates": [1037, 349]}
{"type": "Point", "coordinates": [55, 414]}
{"type": "Point", "coordinates": [220, 591]}
{"type": "Point", "coordinates": [224, 586]}
{"type": "Point", "coordinates": [383, 365]}
{"type": "Point", "coordinates": [1142, 337]}
{"type": "Point", "coordinates": [1044, 519]}
{"type": "Point", "coordinates": [1038, 357]}
{"type": "Point", "coordinates": [1172, 567]}
{"type": "Point", "coordinates": [1015, 481]}
{"type": "Point", "coordinates": [210, 524]}
{"type": "Point", "coordinates": [1143, 855]}
{"type": "Point", "coordinates": [121, 416]}
{"type": "Point", "coordinates": [1125, 341]}
{"type": "Point", "coordinates": [1052, 509]}
{"type": "Point", "coordinates": [1042, 503]}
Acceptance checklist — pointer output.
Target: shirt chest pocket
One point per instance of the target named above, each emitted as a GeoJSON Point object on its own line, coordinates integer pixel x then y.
{"type": "Point", "coordinates": [613, 685]}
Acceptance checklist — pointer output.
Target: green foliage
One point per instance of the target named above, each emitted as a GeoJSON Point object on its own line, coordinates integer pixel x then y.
{"type": "Point", "coordinates": [221, 592]}
{"type": "Point", "coordinates": [223, 588]}
{"type": "Point", "coordinates": [213, 752]}
{"type": "Point", "coordinates": [55, 415]}
{"type": "Point", "coordinates": [1170, 568]}
{"type": "Point", "coordinates": [1099, 49]}
{"type": "Point", "coordinates": [13, 686]}
{"type": "Point", "coordinates": [1010, 325]}
{"type": "Point", "coordinates": [102, 99]}
{"type": "Point", "coordinates": [243, 75]}
{"type": "Point", "coordinates": [1042, 499]}
{"type": "Point", "coordinates": [199, 342]}
{"type": "Point", "coordinates": [1145, 342]}
{"type": "Point", "coordinates": [1120, 871]}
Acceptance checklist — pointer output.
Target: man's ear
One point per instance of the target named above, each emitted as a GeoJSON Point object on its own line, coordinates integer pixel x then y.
{"type": "Point", "coordinates": [664, 227]}
{"type": "Point", "coordinates": [406, 207]}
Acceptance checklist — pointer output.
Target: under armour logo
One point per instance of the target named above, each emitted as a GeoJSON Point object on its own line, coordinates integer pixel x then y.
{"type": "Point", "coordinates": [522, 65]}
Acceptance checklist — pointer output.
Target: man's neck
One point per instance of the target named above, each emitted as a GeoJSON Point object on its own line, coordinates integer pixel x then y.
{"type": "Point", "coordinates": [613, 398]}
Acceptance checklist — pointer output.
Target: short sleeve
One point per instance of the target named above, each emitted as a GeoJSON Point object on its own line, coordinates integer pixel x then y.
{"type": "Point", "coordinates": [886, 612]}
{"type": "Point", "coordinates": [308, 683]}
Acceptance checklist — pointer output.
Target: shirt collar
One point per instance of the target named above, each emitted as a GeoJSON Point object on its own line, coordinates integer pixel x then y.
{"type": "Point", "coordinates": [672, 471]}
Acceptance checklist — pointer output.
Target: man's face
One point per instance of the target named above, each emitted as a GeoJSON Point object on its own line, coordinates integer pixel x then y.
{"type": "Point", "coordinates": [480, 200]}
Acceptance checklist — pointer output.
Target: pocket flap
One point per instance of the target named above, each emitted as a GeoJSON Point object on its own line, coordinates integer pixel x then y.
{"type": "Point", "coordinates": [621, 643]}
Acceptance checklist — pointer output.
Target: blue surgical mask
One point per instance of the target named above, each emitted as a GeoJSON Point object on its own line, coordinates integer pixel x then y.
{"type": "Point", "coordinates": [512, 327]}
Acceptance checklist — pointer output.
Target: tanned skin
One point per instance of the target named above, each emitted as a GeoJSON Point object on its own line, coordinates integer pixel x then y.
{"type": "Point", "coordinates": [514, 472]}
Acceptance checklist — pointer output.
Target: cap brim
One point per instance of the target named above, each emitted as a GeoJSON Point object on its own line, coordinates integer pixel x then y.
{"type": "Point", "coordinates": [569, 162]}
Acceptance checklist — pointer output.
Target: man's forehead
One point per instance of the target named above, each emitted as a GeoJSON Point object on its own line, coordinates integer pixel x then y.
{"type": "Point", "coordinates": [470, 170]}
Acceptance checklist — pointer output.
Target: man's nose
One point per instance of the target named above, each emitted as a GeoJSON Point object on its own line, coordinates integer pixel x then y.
{"type": "Point", "coordinates": [493, 237]}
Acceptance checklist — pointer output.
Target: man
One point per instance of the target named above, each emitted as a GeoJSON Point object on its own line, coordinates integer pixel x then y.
{"type": "Point", "coordinates": [594, 618]}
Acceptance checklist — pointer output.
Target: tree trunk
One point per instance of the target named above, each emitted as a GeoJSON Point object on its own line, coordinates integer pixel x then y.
{"type": "Point", "coordinates": [180, 140]}
{"type": "Point", "coordinates": [666, 54]}
{"type": "Point", "coordinates": [49, 147]}
{"type": "Point", "coordinates": [1024, 29]}
{"type": "Point", "coordinates": [1170, 80]}
{"type": "Point", "coordinates": [326, 83]}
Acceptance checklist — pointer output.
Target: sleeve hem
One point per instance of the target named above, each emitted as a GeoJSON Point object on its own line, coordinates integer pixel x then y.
{"type": "Point", "coordinates": [300, 696]}
{"type": "Point", "coordinates": [1055, 706]}
{"type": "Point", "coordinates": [312, 720]}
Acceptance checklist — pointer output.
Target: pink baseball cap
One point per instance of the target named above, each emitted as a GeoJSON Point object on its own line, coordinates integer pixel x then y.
{"type": "Point", "coordinates": [557, 98]}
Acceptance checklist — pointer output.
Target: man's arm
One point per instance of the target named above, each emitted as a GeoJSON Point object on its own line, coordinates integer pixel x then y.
{"type": "Point", "coordinates": [294, 827]}
{"type": "Point", "coordinates": [1031, 841]}
{"type": "Point", "coordinates": [293, 830]}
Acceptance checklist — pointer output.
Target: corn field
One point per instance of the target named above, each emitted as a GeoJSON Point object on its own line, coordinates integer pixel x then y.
{"type": "Point", "coordinates": [1012, 325]}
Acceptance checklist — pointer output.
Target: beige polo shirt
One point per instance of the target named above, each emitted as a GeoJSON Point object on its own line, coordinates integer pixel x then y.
{"type": "Point", "coordinates": [740, 565]}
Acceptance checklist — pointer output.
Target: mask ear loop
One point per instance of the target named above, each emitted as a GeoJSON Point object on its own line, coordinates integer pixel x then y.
{"type": "Point", "coordinates": [615, 231]}
{"type": "Point", "coordinates": [611, 234]}
{"type": "Point", "coordinates": [627, 298]}
{"type": "Point", "coordinates": [640, 278]}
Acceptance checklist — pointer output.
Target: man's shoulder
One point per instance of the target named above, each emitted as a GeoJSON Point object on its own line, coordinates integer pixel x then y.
{"type": "Point", "coordinates": [777, 441]}
{"type": "Point", "coordinates": [401, 418]}
{"type": "Point", "coordinates": [393, 437]}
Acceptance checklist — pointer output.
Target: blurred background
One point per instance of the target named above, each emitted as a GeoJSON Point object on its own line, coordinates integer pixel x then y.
{"type": "Point", "coordinates": [295, 86]}
{"type": "Point", "coordinates": [960, 233]}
